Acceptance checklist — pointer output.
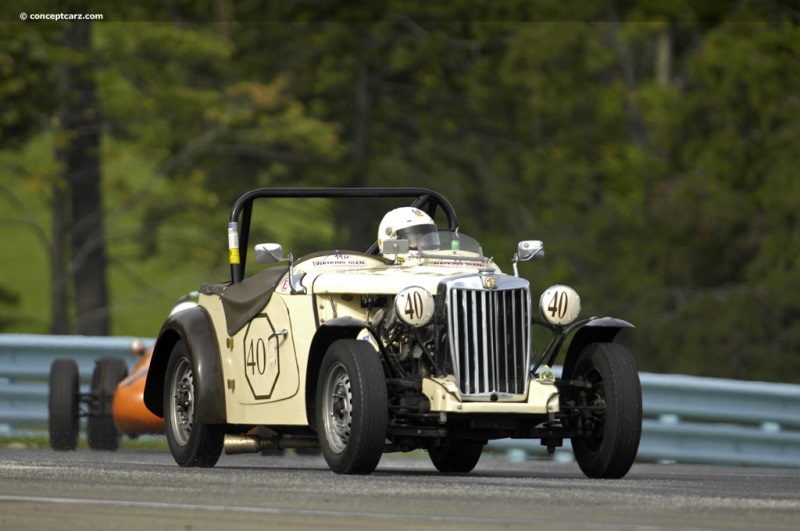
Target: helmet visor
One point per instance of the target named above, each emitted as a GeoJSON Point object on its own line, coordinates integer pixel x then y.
{"type": "Point", "coordinates": [420, 237]}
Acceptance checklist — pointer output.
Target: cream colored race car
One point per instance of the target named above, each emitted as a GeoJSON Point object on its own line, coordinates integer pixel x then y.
{"type": "Point", "coordinates": [421, 342]}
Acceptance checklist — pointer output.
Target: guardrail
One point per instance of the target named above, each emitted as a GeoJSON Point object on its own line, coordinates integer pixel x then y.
{"type": "Point", "coordinates": [25, 367]}
{"type": "Point", "coordinates": [687, 419]}
{"type": "Point", "coordinates": [690, 419]}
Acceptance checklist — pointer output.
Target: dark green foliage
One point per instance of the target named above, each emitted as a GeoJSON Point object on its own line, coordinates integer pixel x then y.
{"type": "Point", "coordinates": [651, 144]}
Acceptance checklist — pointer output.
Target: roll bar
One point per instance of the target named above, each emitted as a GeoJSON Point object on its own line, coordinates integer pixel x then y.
{"type": "Point", "coordinates": [239, 230]}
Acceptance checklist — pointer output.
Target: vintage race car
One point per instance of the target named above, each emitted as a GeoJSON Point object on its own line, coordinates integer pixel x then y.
{"type": "Point", "coordinates": [419, 342]}
{"type": "Point", "coordinates": [114, 404]}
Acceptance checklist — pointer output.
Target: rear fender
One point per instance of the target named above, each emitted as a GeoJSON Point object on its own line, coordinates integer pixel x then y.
{"type": "Point", "coordinates": [193, 327]}
{"type": "Point", "coordinates": [598, 330]}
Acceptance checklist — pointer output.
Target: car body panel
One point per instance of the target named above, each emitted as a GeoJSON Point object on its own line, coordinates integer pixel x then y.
{"type": "Point", "coordinates": [131, 416]}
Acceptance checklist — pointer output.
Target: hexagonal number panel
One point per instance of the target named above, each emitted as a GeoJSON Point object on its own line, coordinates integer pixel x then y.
{"type": "Point", "coordinates": [261, 357]}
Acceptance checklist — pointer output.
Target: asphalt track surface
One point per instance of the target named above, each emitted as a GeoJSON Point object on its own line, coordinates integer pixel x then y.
{"type": "Point", "coordinates": [145, 491]}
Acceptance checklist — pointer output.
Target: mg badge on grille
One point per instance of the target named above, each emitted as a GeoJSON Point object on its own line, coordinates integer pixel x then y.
{"type": "Point", "coordinates": [489, 282]}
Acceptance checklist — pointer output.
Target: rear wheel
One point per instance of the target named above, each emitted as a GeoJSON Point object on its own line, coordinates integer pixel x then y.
{"type": "Point", "coordinates": [63, 401]}
{"type": "Point", "coordinates": [352, 407]}
{"type": "Point", "coordinates": [100, 428]}
{"type": "Point", "coordinates": [608, 425]}
{"type": "Point", "coordinates": [191, 444]}
{"type": "Point", "coordinates": [456, 457]}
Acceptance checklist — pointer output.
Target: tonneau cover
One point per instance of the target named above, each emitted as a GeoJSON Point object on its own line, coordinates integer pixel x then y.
{"type": "Point", "coordinates": [243, 300]}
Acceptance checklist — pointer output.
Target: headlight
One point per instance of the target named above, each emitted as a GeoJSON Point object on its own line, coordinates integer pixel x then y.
{"type": "Point", "coordinates": [414, 306]}
{"type": "Point", "coordinates": [560, 305]}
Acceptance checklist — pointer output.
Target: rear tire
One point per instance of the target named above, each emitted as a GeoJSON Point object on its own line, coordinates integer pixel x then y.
{"type": "Point", "coordinates": [62, 403]}
{"type": "Point", "coordinates": [191, 444]}
{"type": "Point", "coordinates": [352, 407]}
{"type": "Point", "coordinates": [100, 428]}
{"type": "Point", "coordinates": [456, 457]}
{"type": "Point", "coordinates": [610, 436]}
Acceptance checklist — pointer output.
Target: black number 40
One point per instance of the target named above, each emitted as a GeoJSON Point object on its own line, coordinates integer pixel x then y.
{"type": "Point", "coordinates": [558, 304]}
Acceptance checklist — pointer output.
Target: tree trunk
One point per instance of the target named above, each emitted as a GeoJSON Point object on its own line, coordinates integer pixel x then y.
{"type": "Point", "coordinates": [78, 149]}
{"type": "Point", "coordinates": [663, 57]}
{"type": "Point", "coordinates": [358, 230]}
{"type": "Point", "coordinates": [59, 315]}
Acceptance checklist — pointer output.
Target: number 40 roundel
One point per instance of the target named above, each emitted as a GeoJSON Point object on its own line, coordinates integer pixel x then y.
{"type": "Point", "coordinates": [560, 305]}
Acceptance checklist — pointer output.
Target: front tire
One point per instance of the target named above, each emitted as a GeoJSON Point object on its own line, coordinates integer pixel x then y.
{"type": "Point", "coordinates": [610, 421]}
{"type": "Point", "coordinates": [191, 444]}
{"type": "Point", "coordinates": [352, 407]}
{"type": "Point", "coordinates": [63, 404]}
{"type": "Point", "coordinates": [100, 428]}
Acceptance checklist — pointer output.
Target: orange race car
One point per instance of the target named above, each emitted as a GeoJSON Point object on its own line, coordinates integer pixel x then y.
{"type": "Point", "coordinates": [113, 407]}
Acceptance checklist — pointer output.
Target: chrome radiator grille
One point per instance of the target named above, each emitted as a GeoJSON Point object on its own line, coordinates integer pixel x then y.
{"type": "Point", "coordinates": [489, 335]}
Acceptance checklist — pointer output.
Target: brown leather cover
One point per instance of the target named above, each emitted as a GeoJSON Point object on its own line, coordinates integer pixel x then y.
{"type": "Point", "coordinates": [244, 300]}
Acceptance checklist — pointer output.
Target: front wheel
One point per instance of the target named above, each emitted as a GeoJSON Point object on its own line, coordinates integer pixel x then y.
{"type": "Point", "coordinates": [608, 424]}
{"type": "Point", "coordinates": [352, 407]}
{"type": "Point", "coordinates": [191, 444]}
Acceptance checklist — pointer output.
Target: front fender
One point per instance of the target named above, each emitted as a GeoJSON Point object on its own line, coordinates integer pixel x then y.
{"type": "Point", "coordinates": [193, 327]}
{"type": "Point", "coordinates": [594, 330]}
{"type": "Point", "coordinates": [335, 329]}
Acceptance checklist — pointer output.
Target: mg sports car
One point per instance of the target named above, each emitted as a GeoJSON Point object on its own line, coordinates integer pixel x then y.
{"type": "Point", "coordinates": [417, 341]}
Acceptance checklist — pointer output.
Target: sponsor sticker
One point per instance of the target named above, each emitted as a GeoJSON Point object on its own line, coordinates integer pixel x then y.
{"type": "Point", "coordinates": [339, 260]}
{"type": "Point", "coordinates": [233, 243]}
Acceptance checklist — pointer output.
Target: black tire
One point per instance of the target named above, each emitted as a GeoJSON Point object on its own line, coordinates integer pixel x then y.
{"type": "Point", "coordinates": [62, 404]}
{"type": "Point", "coordinates": [456, 457]}
{"type": "Point", "coordinates": [609, 438]}
{"type": "Point", "coordinates": [191, 444]}
{"type": "Point", "coordinates": [101, 431]}
{"type": "Point", "coordinates": [352, 407]}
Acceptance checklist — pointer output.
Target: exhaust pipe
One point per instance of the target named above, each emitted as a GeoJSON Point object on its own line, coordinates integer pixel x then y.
{"type": "Point", "coordinates": [253, 444]}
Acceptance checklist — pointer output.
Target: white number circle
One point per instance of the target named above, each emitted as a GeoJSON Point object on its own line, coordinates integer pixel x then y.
{"type": "Point", "coordinates": [560, 305]}
{"type": "Point", "coordinates": [414, 306]}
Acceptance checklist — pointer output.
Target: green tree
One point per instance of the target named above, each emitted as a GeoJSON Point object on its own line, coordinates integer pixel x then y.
{"type": "Point", "coordinates": [167, 92]}
{"type": "Point", "coordinates": [728, 214]}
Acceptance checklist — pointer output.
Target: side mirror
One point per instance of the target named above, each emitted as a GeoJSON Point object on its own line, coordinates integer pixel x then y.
{"type": "Point", "coordinates": [530, 250]}
{"type": "Point", "coordinates": [527, 250]}
{"type": "Point", "coordinates": [269, 253]}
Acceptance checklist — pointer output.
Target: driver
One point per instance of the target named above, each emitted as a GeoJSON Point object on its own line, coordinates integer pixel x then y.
{"type": "Point", "coordinates": [412, 224]}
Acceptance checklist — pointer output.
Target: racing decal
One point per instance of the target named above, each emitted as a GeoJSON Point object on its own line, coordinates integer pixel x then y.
{"type": "Point", "coordinates": [261, 352]}
{"type": "Point", "coordinates": [284, 286]}
{"type": "Point", "coordinates": [233, 242]}
{"type": "Point", "coordinates": [414, 306]}
{"type": "Point", "coordinates": [560, 305]}
{"type": "Point", "coordinates": [455, 263]}
{"type": "Point", "coordinates": [339, 260]}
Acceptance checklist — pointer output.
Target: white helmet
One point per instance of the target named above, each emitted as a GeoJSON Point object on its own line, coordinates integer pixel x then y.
{"type": "Point", "coordinates": [408, 223]}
